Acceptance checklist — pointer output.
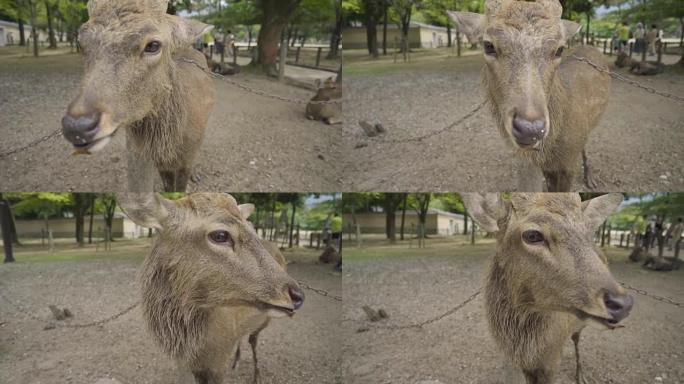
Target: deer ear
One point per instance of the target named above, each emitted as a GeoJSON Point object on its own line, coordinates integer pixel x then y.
{"type": "Point", "coordinates": [93, 5]}
{"type": "Point", "coordinates": [145, 209]}
{"type": "Point", "coordinates": [187, 31]}
{"type": "Point", "coordinates": [471, 24]}
{"type": "Point", "coordinates": [597, 210]}
{"type": "Point", "coordinates": [157, 6]}
{"type": "Point", "coordinates": [485, 209]}
{"type": "Point", "coordinates": [570, 29]}
{"type": "Point", "coordinates": [246, 210]}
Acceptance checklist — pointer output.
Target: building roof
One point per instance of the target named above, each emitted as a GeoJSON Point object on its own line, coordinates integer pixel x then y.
{"type": "Point", "coordinates": [414, 24]}
{"type": "Point", "coordinates": [411, 212]}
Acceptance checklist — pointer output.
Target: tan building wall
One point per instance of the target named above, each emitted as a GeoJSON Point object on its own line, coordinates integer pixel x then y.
{"type": "Point", "coordinates": [419, 37]}
{"type": "Point", "coordinates": [9, 33]}
{"type": "Point", "coordinates": [442, 224]}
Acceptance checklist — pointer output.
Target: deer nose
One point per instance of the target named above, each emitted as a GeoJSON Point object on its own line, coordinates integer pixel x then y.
{"type": "Point", "coordinates": [297, 296]}
{"type": "Point", "coordinates": [526, 132]}
{"type": "Point", "coordinates": [618, 306]}
{"type": "Point", "coordinates": [81, 130]}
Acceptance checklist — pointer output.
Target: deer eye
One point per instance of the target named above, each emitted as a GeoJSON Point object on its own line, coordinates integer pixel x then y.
{"type": "Point", "coordinates": [533, 237]}
{"type": "Point", "coordinates": [153, 47]}
{"type": "Point", "coordinates": [489, 48]}
{"type": "Point", "coordinates": [221, 238]}
{"type": "Point", "coordinates": [559, 52]}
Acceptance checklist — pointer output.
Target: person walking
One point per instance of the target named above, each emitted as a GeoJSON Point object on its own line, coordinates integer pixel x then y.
{"type": "Point", "coordinates": [675, 232]}
{"type": "Point", "coordinates": [623, 35]}
{"type": "Point", "coordinates": [640, 38]}
{"type": "Point", "coordinates": [651, 38]}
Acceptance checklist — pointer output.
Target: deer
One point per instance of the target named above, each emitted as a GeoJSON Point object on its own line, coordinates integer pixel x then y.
{"type": "Point", "coordinates": [545, 101]}
{"type": "Point", "coordinates": [142, 75]}
{"type": "Point", "coordinates": [330, 114]}
{"type": "Point", "coordinates": [209, 280]}
{"type": "Point", "coordinates": [547, 280]}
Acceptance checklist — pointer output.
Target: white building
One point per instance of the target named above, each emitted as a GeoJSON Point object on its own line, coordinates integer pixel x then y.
{"type": "Point", "coordinates": [9, 33]}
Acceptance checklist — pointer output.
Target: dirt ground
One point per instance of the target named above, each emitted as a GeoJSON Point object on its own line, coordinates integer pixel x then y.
{"type": "Point", "coordinates": [252, 143]}
{"type": "Point", "coordinates": [636, 147]}
{"type": "Point", "coordinates": [414, 285]}
{"type": "Point", "coordinates": [304, 349]}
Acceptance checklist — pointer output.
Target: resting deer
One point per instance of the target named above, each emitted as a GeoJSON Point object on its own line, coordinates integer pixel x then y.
{"type": "Point", "coordinates": [209, 280]}
{"type": "Point", "coordinates": [545, 102]}
{"type": "Point", "coordinates": [143, 76]}
{"type": "Point", "coordinates": [547, 280]}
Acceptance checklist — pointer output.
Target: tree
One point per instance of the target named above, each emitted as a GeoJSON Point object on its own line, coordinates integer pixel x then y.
{"type": "Point", "coordinates": [108, 202]}
{"type": "Point", "coordinates": [336, 38]}
{"type": "Point", "coordinates": [420, 202]}
{"type": "Point", "coordinates": [404, 10]}
{"type": "Point", "coordinates": [372, 12]}
{"type": "Point", "coordinates": [81, 203]}
{"type": "Point", "coordinates": [5, 226]}
{"type": "Point", "coordinates": [391, 202]}
{"type": "Point", "coordinates": [276, 15]}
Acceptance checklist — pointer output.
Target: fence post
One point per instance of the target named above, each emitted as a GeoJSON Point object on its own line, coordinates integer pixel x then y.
{"type": "Point", "coordinates": [605, 44]}
{"type": "Point", "coordinates": [395, 49]}
{"type": "Point", "coordinates": [622, 237]}
{"type": "Point", "coordinates": [51, 244]}
{"type": "Point", "coordinates": [358, 236]}
{"type": "Point", "coordinates": [318, 56]}
{"type": "Point", "coordinates": [458, 43]}
{"type": "Point", "coordinates": [235, 54]}
{"type": "Point", "coordinates": [283, 58]}
{"type": "Point", "coordinates": [299, 49]}
{"type": "Point", "coordinates": [297, 242]}
{"type": "Point", "coordinates": [318, 240]}
{"type": "Point", "coordinates": [659, 47]}
{"type": "Point", "coordinates": [311, 234]}
{"type": "Point", "coordinates": [629, 237]}
{"type": "Point", "coordinates": [473, 228]}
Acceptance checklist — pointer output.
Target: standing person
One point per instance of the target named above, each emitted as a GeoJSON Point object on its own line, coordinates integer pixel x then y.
{"type": "Point", "coordinates": [230, 42]}
{"type": "Point", "coordinates": [675, 232]}
{"type": "Point", "coordinates": [623, 35]}
{"type": "Point", "coordinates": [651, 38]}
{"type": "Point", "coordinates": [640, 38]}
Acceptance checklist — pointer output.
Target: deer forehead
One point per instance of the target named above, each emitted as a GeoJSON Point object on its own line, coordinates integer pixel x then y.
{"type": "Point", "coordinates": [526, 18]}
{"type": "Point", "coordinates": [212, 205]}
{"type": "Point", "coordinates": [552, 206]}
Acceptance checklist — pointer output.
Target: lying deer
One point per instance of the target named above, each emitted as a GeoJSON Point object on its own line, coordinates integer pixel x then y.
{"type": "Point", "coordinates": [545, 102]}
{"type": "Point", "coordinates": [547, 280]}
{"type": "Point", "coordinates": [330, 114]}
{"type": "Point", "coordinates": [209, 280]}
{"type": "Point", "coordinates": [140, 76]}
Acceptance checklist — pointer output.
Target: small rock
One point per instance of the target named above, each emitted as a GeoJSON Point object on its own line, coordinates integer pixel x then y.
{"type": "Point", "coordinates": [658, 379]}
{"type": "Point", "coordinates": [663, 177]}
{"type": "Point", "coordinates": [362, 329]}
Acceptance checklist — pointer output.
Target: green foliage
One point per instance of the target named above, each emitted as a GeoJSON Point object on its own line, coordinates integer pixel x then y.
{"type": "Point", "coordinates": [39, 205]}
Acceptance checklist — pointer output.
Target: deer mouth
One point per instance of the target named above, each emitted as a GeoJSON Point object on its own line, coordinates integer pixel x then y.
{"type": "Point", "coordinates": [276, 310]}
{"type": "Point", "coordinates": [94, 146]}
{"type": "Point", "coordinates": [606, 322]}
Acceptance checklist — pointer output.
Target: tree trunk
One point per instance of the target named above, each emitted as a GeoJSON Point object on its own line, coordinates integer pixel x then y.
{"type": "Point", "coordinates": [448, 34]}
{"type": "Point", "coordinates": [384, 33]}
{"type": "Point", "coordinates": [391, 226]}
{"type": "Point", "coordinates": [681, 40]}
{"type": "Point", "coordinates": [372, 38]}
{"type": "Point", "coordinates": [465, 222]}
{"type": "Point", "coordinates": [51, 30]}
{"type": "Point", "coordinates": [292, 221]}
{"type": "Point", "coordinates": [92, 213]}
{"type": "Point", "coordinates": [34, 36]}
{"type": "Point", "coordinates": [588, 26]}
{"type": "Point", "coordinates": [403, 215]}
{"type": "Point", "coordinates": [22, 33]}
{"type": "Point", "coordinates": [276, 15]}
{"type": "Point", "coordinates": [336, 38]}
{"type": "Point", "coordinates": [79, 216]}
{"type": "Point", "coordinates": [5, 226]}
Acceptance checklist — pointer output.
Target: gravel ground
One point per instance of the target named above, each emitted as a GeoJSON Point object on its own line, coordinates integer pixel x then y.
{"type": "Point", "coordinates": [252, 143]}
{"type": "Point", "coordinates": [459, 349]}
{"type": "Point", "coordinates": [636, 147]}
{"type": "Point", "coordinates": [304, 349]}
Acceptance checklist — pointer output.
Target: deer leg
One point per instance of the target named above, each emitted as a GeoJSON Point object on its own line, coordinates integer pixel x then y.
{"type": "Point", "coordinates": [589, 179]}
{"type": "Point", "coordinates": [182, 176]}
{"type": "Point", "coordinates": [538, 376]}
{"type": "Point", "coordinates": [253, 341]}
{"type": "Point", "coordinates": [236, 360]}
{"type": "Point", "coordinates": [558, 181]}
{"type": "Point", "coordinates": [579, 377]}
{"type": "Point", "coordinates": [169, 180]}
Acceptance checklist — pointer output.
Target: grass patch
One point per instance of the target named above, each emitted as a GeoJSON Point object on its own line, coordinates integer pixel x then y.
{"type": "Point", "coordinates": [358, 62]}
{"type": "Point", "coordinates": [123, 250]}
{"type": "Point", "coordinates": [435, 248]}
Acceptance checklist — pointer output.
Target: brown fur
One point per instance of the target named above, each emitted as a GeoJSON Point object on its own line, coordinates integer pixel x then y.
{"type": "Point", "coordinates": [328, 113]}
{"type": "Point", "coordinates": [527, 78]}
{"type": "Point", "coordinates": [537, 296]}
{"type": "Point", "coordinates": [200, 299]}
{"type": "Point", "coordinates": [163, 102]}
